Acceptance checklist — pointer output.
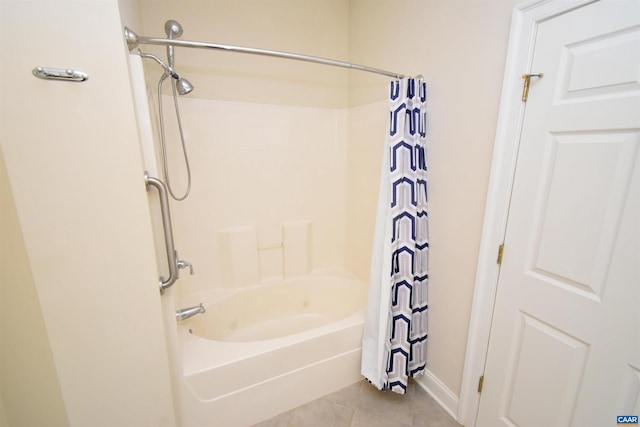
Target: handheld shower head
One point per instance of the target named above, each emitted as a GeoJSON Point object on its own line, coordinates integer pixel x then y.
{"type": "Point", "coordinates": [173, 30]}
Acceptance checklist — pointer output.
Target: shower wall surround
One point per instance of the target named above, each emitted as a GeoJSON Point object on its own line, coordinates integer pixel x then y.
{"type": "Point", "coordinates": [326, 126]}
{"type": "Point", "coordinates": [244, 262]}
{"type": "Point", "coordinates": [259, 170]}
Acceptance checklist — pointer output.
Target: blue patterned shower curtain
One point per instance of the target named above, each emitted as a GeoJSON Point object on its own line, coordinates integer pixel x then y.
{"type": "Point", "coordinates": [394, 345]}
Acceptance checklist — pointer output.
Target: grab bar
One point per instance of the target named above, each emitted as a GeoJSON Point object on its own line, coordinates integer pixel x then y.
{"type": "Point", "coordinates": [172, 255]}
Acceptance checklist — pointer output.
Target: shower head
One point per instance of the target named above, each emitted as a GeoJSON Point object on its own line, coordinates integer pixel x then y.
{"type": "Point", "coordinates": [183, 86]}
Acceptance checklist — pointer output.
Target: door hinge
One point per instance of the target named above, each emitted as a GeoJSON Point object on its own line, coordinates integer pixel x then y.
{"type": "Point", "coordinates": [500, 252]}
{"type": "Point", "coordinates": [480, 382]}
{"type": "Point", "coordinates": [527, 82]}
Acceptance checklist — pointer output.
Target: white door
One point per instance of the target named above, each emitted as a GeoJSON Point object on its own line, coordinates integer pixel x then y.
{"type": "Point", "coordinates": [564, 347]}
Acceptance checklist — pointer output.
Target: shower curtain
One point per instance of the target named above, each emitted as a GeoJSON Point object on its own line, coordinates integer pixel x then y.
{"type": "Point", "coordinates": [394, 343]}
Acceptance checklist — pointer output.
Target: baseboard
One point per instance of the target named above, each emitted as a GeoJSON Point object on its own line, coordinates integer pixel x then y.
{"type": "Point", "coordinates": [440, 393]}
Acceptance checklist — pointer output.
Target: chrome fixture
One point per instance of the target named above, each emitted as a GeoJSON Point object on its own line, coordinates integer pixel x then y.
{"type": "Point", "coordinates": [183, 85]}
{"type": "Point", "coordinates": [178, 86]}
{"type": "Point", "coordinates": [175, 264]}
{"type": "Point", "coordinates": [133, 41]}
{"type": "Point", "coordinates": [183, 264]}
{"type": "Point", "coordinates": [65, 74]}
{"type": "Point", "coordinates": [188, 312]}
{"type": "Point", "coordinates": [173, 29]}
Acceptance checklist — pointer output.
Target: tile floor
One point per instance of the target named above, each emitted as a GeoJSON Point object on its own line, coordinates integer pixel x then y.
{"type": "Point", "coordinates": [361, 405]}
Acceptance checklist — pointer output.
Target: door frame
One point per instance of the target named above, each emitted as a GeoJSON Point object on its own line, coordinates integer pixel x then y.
{"type": "Point", "coordinates": [524, 22]}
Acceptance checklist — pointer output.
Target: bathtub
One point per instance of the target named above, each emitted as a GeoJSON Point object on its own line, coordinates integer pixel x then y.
{"type": "Point", "coordinates": [262, 350]}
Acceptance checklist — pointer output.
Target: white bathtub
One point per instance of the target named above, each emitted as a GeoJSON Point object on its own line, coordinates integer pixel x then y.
{"type": "Point", "coordinates": [262, 350]}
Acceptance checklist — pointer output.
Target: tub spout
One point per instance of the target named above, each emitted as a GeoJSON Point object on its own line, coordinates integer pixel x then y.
{"type": "Point", "coordinates": [188, 312]}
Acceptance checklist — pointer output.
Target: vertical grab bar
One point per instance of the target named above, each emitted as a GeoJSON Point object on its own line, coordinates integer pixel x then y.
{"type": "Point", "coordinates": [172, 258]}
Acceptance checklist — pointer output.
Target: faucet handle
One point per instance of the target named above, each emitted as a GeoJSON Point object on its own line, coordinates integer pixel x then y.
{"type": "Point", "coordinates": [184, 264]}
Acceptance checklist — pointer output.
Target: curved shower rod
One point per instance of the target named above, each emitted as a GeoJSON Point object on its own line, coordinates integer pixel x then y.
{"type": "Point", "coordinates": [134, 40]}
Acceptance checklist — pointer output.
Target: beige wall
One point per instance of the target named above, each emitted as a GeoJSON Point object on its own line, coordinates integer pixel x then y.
{"type": "Point", "coordinates": [73, 162]}
{"type": "Point", "coordinates": [4, 422]}
{"type": "Point", "coordinates": [460, 48]}
{"type": "Point", "coordinates": [29, 387]}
